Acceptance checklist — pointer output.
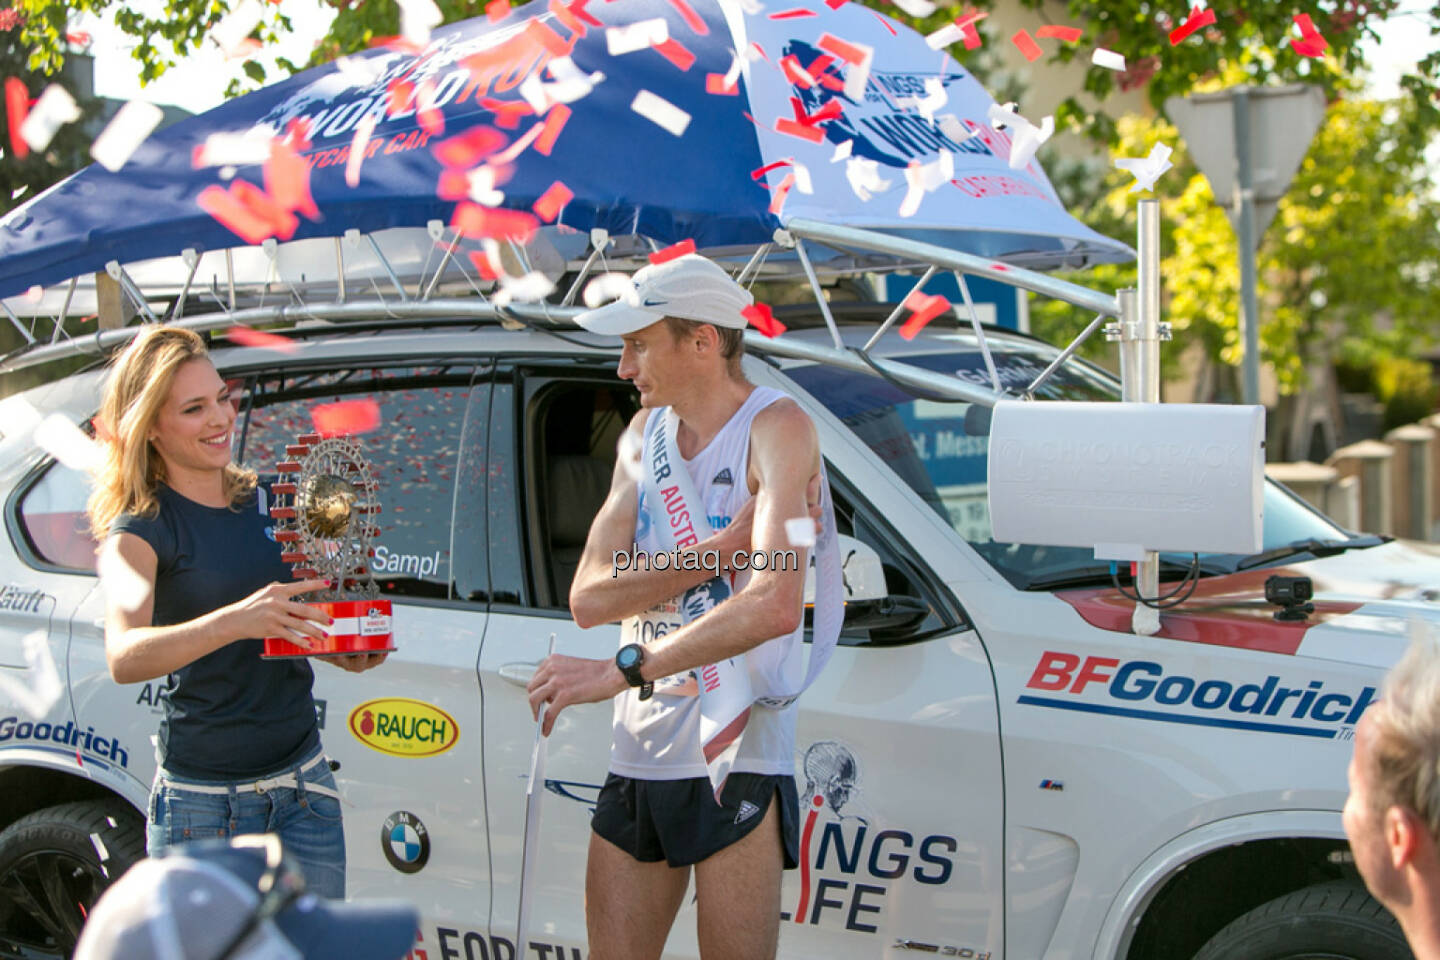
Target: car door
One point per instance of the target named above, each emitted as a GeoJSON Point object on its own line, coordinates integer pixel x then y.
{"type": "Point", "coordinates": [898, 761]}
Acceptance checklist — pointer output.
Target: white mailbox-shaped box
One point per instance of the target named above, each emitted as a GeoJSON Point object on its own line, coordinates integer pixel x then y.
{"type": "Point", "coordinates": [1128, 477]}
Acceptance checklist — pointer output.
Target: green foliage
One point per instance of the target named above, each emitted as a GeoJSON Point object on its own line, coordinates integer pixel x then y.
{"type": "Point", "coordinates": [1406, 388]}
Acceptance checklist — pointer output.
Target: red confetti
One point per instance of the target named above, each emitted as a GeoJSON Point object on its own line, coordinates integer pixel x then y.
{"type": "Point", "coordinates": [761, 318]}
{"type": "Point", "coordinates": [1000, 266]}
{"type": "Point", "coordinates": [795, 73]}
{"type": "Point", "coordinates": [830, 111]}
{"type": "Point", "coordinates": [848, 52]}
{"type": "Point", "coordinates": [250, 337]}
{"type": "Point", "coordinates": [692, 19]}
{"type": "Point", "coordinates": [802, 130]}
{"type": "Point", "coordinates": [673, 252]}
{"type": "Point", "coordinates": [469, 148]}
{"type": "Point", "coordinates": [287, 180]}
{"type": "Point", "coordinates": [715, 83]}
{"type": "Point", "coordinates": [1313, 44]}
{"type": "Point", "coordinates": [554, 123]}
{"type": "Point", "coordinates": [477, 221]}
{"type": "Point", "coordinates": [507, 112]}
{"type": "Point", "coordinates": [971, 35]}
{"type": "Point", "coordinates": [431, 120]}
{"type": "Point", "coordinates": [1026, 45]}
{"type": "Point", "coordinates": [926, 307]}
{"type": "Point", "coordinates": [398, 44]}
{"type": "Point", "coordinates": [454, 185]}
{"type": "Point", "coordinates": [836, 4]}
{"type": "Point", "coordinates": [1198, 18]}
{"type": "Point", "coordinates": [1067, 34]}
{"type": "Point", "coordinates": [346, 417]}
{"type": "Point", "coordinates": [497, 10]}
{"type": "Point", "coordinates": [675, 51]}
{"type": "Point", "coordinates": [537, 32]}
{"type": "Point", "coordinates": [885, 23]}
{"type": "Point", "coordinates": [17, 105]}
{"type": "Point", "coordinates": [552, 201]}
{"type": "Point", "coordinates": [777, 202]}
{"type": "Point", "coordinates": [401, 92]}
{"type": "Point", "coordinates": [759, 173]}
{"type": "Point", "coordinates": [573, 15]}
{"type": "Point", "coordinates": [80, 38]}
{"type": "Point", "coordinates": [793, 14]}
{"type": "Point", "coordinates": [247, 212]}
{"type": "Point", "coordinates": [483, 266]}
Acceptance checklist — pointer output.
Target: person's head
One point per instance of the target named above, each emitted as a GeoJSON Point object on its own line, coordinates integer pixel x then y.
{"type": "Point", "coordinates": [682, 328]}
{"type": "Point", "coordinates": [165, 411]}
{"type": "Point", "coordinates": [1392, 815]}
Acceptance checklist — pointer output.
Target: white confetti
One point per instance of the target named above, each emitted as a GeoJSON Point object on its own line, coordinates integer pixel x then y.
{"type": "Point", "coordinates": [482, 187]}
{"type": "Point", "coordinates": [752, 7]}
{"type": "Point", "coordinates": [225, 149]}
{"type": "Point", "coordinates": [753, 52]}
{"type": "Point", "coordinates": [358, 143]}
{"type": "Point", "coordinates": [1002, 115]}
{"type": "Point", "coordinates": [864, 177]}
{"type": "Point", "coordinates": [64, 441]}
{"type": "Point", "coordinates": [35, 293]}
{"type": "Point", "coordinates": [610, 286]}
{"type": "Point", "coordinates": [925, 178]}
{"type": "Point", "coordinates": [661, 112]}
{"type": "Point", "coordinates": [417, 19]}
{"type": "Point", "coordinates": [935, 98]}
{"type": "Point", "coordinates": [231, 31]}
{"type": "Point", "coordinates": [1147, 169]}
{"type": "Point", "coordinates": [858, 76]}
{"type": "Point", "coordinates": [951, 126]}
{"type": "Point", "coordinates": [1027, 139]}
{"type": "Point", "coordinates": [571, 83]}
{"type": "Point", "coordinates": [627, 454]}
{"type": "Point", "coordinates": [1108, 59]}
{"type": "Point", "coordinates": [123, 135]}
{"type": "Point", "coordinates": [640, 35]}
{"type": "Point", "coordinates": [802, 177]}
{"type": "Point", "coordinates": [360, 73]}
{"type": "Point", "coordinates": [733, 74]}
{"type": "Point", "coordinates": [53, 110]}
{"type": "Point", "coordinates": [800, 531]}
{"type": "Point", "coordinates": [527, 289]}
{"type": "Point", "coordinates": [920, 9]}
{"type": "Point", "coordinates": [946, 35]}
{"type": "Point", "coordinates": [842, 150]}
{"type": "Point", "coordinates": [42, 687]}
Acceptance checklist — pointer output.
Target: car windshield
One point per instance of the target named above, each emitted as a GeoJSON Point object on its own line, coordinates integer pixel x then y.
{"type": "Point", "coordinates": [926, 443]}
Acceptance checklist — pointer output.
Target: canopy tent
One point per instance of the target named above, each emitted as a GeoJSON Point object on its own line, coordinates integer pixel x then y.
{"type": "Point", "coordinates": [626, 173]}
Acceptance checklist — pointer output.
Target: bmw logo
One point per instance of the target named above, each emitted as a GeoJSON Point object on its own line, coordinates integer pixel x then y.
{"type": "Point", "coordinates": [405, 841]}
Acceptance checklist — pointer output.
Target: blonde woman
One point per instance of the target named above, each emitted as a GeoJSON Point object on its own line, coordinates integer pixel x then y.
{"type": "Point", "coordinates": [186, 529]}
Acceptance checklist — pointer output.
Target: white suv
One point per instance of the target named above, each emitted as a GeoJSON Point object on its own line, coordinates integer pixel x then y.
{"type": "Point", "coordinates": [992, 765]}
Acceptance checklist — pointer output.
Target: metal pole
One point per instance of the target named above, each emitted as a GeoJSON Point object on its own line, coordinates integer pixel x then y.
{"type": "Point", "coordinates": [1148, 301]}
{"type": "Point", "coordinates": [1245, 202]}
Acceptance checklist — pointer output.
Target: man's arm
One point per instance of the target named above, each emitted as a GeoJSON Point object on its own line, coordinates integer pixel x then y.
{"type": "Point", "coordinates": [785, 456]}
{"type": "Point", "coordinates": [597, 594]}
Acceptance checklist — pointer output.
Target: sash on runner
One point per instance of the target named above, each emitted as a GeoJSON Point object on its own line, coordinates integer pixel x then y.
{"type": "Point", "coordinates": [725, 689]}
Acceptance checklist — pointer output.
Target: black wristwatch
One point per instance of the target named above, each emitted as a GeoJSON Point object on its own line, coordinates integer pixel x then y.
{"type": "Point", "coordinates": [629, 659]}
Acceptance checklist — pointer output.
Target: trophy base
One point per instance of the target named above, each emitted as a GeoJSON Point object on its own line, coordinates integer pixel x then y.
{"type": "Point", "coordinates": [361, 626]}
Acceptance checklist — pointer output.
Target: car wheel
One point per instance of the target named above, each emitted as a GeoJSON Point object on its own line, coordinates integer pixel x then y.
{"type": "Point", "coordinates": [52, 872]}
{"type": "Point", "coordinates": [1329, 921]}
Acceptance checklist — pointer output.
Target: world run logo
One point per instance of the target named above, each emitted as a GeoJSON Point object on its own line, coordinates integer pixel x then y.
{"type": "Point", "coordinates": [847, 868]}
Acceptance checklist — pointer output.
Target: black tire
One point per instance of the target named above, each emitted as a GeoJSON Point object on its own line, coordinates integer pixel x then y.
{"type": "Point", "coordinates": [51, 872]}
{"type": "Point", "coordinates": [1329, 921]}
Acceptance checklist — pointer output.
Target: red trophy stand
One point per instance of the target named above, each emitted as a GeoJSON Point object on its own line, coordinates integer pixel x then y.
{"type": "Point", "coordinates": [322, 511]}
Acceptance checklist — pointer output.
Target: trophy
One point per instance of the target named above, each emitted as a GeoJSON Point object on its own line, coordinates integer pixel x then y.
{"type": "Point", "coordinates": [324, 503]}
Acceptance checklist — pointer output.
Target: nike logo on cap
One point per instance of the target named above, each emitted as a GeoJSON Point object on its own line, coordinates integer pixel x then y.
{"type": "Point", "coordinates": [655, 303]}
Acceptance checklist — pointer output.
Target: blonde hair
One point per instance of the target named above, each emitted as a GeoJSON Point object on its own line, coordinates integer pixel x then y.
{"type": "Point", "coordinates": [1405, 761]}
{"type": "Point", "coordinates": [137, 388]}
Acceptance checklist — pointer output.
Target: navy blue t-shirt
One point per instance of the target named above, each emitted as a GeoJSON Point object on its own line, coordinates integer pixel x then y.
{"type": "Point", "coordinates": [229, 715]}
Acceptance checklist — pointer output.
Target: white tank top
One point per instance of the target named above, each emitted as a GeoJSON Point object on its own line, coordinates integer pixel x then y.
{"type": "Point", "coordinates": [659, 738]}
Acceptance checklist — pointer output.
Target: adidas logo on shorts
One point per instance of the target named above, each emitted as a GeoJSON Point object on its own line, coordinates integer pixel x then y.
{"type": "Point", "coordinates": [747, 810]}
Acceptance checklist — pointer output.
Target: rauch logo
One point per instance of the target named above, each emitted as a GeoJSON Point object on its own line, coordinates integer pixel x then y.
{"type": "Point", "coordinates": [404, 728]}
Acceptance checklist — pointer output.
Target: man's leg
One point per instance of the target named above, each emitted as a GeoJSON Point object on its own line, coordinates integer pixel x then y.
{"type": "Point", "coordinates": [629, 905]}
{"type": "Point", "coordinates": [738, 890]}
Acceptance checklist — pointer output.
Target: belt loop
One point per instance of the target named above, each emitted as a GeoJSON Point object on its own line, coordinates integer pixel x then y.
{"type": "Point", "coordinates": [234, 798]}
{"type": "Point", "coordinates": [300, 786]}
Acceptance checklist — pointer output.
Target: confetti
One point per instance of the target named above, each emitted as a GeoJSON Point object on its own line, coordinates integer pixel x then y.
{"type": "Point", "coordinates": [1198, 18]}
{"type": "Point", "coordinates": [673, 252]}
{"type": "Point", "coordinates": [122, 136]}
{"type": "Point", "coordinates": [858, 55]}
{"type": "Point", "coordinates": [570, 85]}
{"type": "Point", "coordinates": [287, 180]}
{"type": "Point", "coordinates": [804, 131]}
{"type": "Point", "coordinates": [531, 287]}
{"type": "Point", "coordinates": [1027, 46]}
{"type": "Point", "coordinates": [41, 690]}
{"type": "Point", "coordinates": [943, 37]}
{"type": "Point", "coordinates": [935, 98]}
{"type": "Point", "coordinates": [247, 212]}
{"type": "Point", "coordinates": [721, 85]}
{"type": "Point", "coordinates": [1056, 32]}
{"type": "Point", "coordinates": [17, 105]}
{"type": "Point", "coordinates": [1147, 169]}
{"type": "Point", "coordinates": [428, 116]}
{"type": "Point", "coordinates": [554, 123]}
{"type": "Point", "coordinates": [676, 52]}
{"type": "Point", "coordinates": [480, 186]}
{"type": "Point", "coordinates": [223, 149]}
{"type": "Point", "coordinates": [80, 38]}
{"type": "Point", "coordinates": [477, 221]}
{"type": "Point", "coordinates": [346, 417]}
{"type": "Point", "coordinates": [67, 443]}
{"type": "Point", "coordinates": [842, 150]}
{"type": "Point", "coordinates": [250, 337]}
{"type": "Point", "coordinates": [358, 143]}
{"type": "Point", "coordinates": [417, 19]}
{"type": "Point", "coordinates": [35, 293]}
{"type": "Point", "coordinates": [864, 177]}
{"type": "Point", "coordinates": [795, 73]}
{"type": "Point", "coordinates": [552, 201]}
{"type": "Point", "coordinates": [608, 287]}
{"type": "Point", "coordinates": [951, 126]}
{"type": "Point", "coordinates": [636, 36]}
{"type": "Point", "coordinates": [509, 154]}
{"type": "Point", "coordinates": [692, 19]}
{"type": "Point", "coordinates": [800, 531]}
{"type": "Point", "coordinates": [919, 9]}
{"type": "Point", "coordinates": [235, 27]}
{"type": "Point", "coordinates": [1026, 138]}
{"type": "Point", "coordinates": [1312, 43]}
{"type": "Point", "coordinates": [660, 112]}
{"type": "Point", "coordinates": [925, 307]}
{"type": "Point", "coordinates": [802, 178]}
{"type": "Point", "coordinates": [1108, 59]}
{"type": "Point", "coordinates": [53, 110]}
{"type": "Point", "coordinates": [122, 584]}
{"type": "Point", "coordinates": [507, 112]}
{"type": "Point", "coordinates": [360, 73]}
{"type": "Point", "coordinates": [469, 148]}
{"type": "Point", "coordinates": [484, 265]}
{"type": "Point", "coordinates": [924, 178]}
{"type": "Point", "coordinates": [759, 172]}
{"type": "Point", "coordinates": [777, 200]}
{"type": "Point", "coordinates": [574, 16]}
{"type": "Point", "coordinates": [759, 316]}
{"type": "Point", "coordinates": [497, 10]}
{"type": "Point", "coordinates": [795, 13]}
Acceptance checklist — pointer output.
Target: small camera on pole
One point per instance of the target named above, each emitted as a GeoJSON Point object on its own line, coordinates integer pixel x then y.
{"type": "Point", "coordinates": [1292, 595]}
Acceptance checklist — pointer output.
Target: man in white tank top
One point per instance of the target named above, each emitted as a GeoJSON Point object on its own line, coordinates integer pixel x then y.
{"type": "Point", "coordinates": [752, 461]}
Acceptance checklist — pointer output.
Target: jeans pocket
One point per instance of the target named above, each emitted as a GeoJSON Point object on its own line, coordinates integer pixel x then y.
{"type": "Point", "coordinates": [189, 816]}
{"type": "Point", "coordinates": [322, 806]}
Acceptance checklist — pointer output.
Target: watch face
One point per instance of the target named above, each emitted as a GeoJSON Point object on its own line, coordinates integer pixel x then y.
{"type": "Point", "coordinates": [627, 657]}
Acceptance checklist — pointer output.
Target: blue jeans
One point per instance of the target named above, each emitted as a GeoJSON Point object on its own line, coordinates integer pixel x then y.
{"type": "Point", "coordinates": [307, 820]}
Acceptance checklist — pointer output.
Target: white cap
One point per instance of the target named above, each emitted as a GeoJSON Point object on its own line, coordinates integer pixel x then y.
{"type": "Point", "coordinates": [689, 287]}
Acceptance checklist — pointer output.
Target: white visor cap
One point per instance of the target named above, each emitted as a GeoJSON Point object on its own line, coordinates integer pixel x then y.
{"type": "Point", "coordinates": [689, 287]}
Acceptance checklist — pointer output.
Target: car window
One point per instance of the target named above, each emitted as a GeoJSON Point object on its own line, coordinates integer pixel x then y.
{"type": "Point", "coordinates": [412, 448]}
{"type": "Point", "coordinates": [472, 540]}
{"type": "Point", "coordinates": [52, 518]}
{"type": "Point", "coordinates": [928, 444]}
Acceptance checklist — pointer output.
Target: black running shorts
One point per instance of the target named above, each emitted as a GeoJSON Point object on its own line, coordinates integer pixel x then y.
{"type": "Point", "coordinates": [678, 821]}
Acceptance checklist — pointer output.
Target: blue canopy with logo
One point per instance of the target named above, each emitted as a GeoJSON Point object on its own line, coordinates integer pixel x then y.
{"type": "Point", "coordinates": [626, 173]}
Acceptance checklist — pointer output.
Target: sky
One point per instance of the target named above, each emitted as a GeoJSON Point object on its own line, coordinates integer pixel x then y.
{"type": "Point", "coordinates": [199, 83]}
